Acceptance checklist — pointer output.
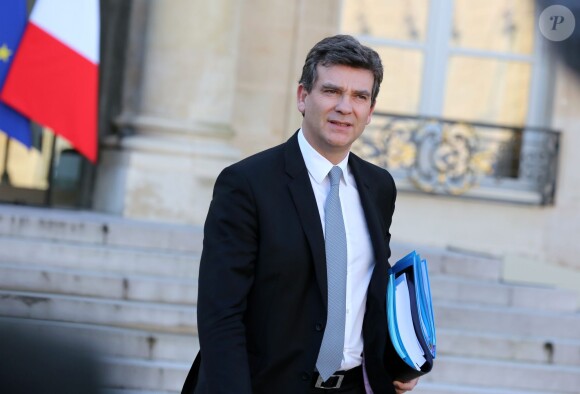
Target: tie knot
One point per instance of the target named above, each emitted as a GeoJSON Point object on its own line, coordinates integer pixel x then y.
{"type": "Point", "coordinates": [334, 175]}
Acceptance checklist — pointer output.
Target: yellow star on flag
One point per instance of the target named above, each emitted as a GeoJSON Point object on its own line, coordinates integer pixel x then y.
{"type": "Point", "coordinates": [5, 53]}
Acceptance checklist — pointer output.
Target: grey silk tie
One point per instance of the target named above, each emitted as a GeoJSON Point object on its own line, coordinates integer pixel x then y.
{"type": "Point", "coordinates": [332, 347]}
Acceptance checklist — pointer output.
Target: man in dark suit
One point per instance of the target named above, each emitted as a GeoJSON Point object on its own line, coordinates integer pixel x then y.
{"type": "Point", "coordinates": [294, 265]}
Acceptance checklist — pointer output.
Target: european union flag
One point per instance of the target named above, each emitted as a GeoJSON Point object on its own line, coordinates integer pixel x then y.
{"type": "Point", "coordinates": [12, 24]}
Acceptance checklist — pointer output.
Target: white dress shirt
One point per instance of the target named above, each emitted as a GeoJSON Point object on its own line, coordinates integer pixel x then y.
{"type": "Point", "coordinates": [360, 259]}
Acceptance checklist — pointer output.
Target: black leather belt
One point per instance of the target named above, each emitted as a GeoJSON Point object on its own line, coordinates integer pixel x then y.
{"type": "Point", "coordinates": [350, 378]}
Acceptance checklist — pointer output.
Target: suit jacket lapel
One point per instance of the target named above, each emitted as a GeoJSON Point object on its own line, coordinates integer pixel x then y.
{"type": "Point", "coordinates": [305, 202]}
{"type": "Point", "coordinates": [376, 230]}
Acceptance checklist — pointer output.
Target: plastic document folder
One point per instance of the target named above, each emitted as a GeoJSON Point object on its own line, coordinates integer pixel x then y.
{"type": "Point", "coordinates": [411, 343]}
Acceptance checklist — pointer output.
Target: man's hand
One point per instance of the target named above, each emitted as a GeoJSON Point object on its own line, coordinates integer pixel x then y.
{"type": "Point", "coordinates": [403, 387]}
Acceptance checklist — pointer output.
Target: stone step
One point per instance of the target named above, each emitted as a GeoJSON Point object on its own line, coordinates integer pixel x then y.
{"type": "Point", "coordinates": [442, 261]}
{"type": "Point", "coordinates": [96, 228]}
{"type": "Point", "coordinates": [106, 258]}
{"type": "Point", "coordinates": [505, 375]}
{"type": "Point", "coordinates": [122, 342]}
{"type": "Point", "coordinates": [183, 290]}
{"type": "Point", "coordinates": [501, 320]}
{"type": "Point", "coordinates": [508, 347]}
{"type": "Point", "coordinates": [453, 288]}
{"type": "Point", "coordinates": [137, 374]}
{"type": "Point", "coordinates": [441, 388]}
{"type": "Point", "coordinates": [99, 284]}
{"type": "Point", "coordinates": [118, 313]}
{"type": "Point", "coordinates": [116, 341]}
{"type": "Point", "coordinates": [127, 259]}
{"type": "Point", "coordinates": [122, 391]}
{"type": "Point", "coordinates": [485, 376]}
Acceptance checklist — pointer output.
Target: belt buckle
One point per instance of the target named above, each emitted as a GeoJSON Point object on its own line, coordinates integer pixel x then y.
{"type": "Point", "coordinates": [320, 384]}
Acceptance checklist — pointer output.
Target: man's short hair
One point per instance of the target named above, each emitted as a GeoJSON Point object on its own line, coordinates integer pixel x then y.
{"type": "Point", "coordinates": [342, 50]}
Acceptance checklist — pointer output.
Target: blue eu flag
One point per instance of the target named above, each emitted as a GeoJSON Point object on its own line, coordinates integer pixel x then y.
{"type": "Point", "coordinates": [12, 24]}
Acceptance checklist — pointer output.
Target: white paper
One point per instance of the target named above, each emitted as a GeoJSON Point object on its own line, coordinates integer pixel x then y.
{"type": "Point", "coordinates": [405, 322]}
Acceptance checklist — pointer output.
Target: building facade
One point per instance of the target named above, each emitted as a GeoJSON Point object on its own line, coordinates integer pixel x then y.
{"type": "Point", "coordinates": [476, 118]}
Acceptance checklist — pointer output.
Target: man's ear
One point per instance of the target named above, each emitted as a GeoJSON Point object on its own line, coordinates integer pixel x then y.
{"type": "Point", "coordinates": [371, 114]}
{"type": "Point", "coordinates": [301, 94]}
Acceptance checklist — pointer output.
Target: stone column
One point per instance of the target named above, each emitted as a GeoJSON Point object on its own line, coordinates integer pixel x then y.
{"type": "Point", "coordinates": [179, 89]}
{"type": "Point", "coordinates": [275, 36]}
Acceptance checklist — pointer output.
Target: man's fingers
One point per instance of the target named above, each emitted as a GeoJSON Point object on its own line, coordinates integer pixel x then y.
{"type": "Point", "coordinates": [401, 387]}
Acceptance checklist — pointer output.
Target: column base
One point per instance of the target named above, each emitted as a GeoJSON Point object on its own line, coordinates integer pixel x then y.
{"type": "Point", "coordinates": [161, 177]}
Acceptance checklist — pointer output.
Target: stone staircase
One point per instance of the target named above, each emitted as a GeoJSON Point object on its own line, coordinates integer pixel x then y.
{"type": "Point", "coordinates": [129, 290]}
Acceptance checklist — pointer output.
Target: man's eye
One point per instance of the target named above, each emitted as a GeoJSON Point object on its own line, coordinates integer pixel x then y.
{"type": "Point", "coordinates": [362, 97]}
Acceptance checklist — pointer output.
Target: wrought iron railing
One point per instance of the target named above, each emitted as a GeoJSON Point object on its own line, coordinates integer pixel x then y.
{"type": "Point", "coordinates": [468, 159]}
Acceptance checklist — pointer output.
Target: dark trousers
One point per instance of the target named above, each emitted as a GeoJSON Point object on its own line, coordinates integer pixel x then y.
{"type": "Point", "coordinates": [342, 390]}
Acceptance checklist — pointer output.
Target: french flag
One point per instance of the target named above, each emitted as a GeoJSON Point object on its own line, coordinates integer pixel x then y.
{"type": "Point", "coordinates": [54, 77]}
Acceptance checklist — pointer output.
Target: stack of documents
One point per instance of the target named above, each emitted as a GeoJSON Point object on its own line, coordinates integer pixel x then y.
{"type": "Point", "coordinates": [411, 343]}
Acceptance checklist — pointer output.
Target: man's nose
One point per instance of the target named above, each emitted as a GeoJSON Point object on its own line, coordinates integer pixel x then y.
{"type": "Point", "coordinates": [344, 106]}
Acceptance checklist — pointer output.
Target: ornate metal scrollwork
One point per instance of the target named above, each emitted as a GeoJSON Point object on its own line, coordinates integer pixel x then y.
{"type": "Point", "coordinates": [447, 157]}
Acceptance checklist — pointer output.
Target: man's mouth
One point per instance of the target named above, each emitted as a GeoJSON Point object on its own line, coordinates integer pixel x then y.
{"type": "Point", "coordinates": [341, 124]}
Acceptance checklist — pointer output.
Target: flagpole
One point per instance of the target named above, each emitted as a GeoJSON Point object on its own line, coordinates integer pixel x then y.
{"type": "Point", "coordinates": [5, 175]}
{"type": "Point", "coordinates": [48, 196]}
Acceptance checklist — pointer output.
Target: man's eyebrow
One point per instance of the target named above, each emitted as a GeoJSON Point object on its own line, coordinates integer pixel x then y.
{"type": "Point", "coordinates": [331, 86]}
{"type": "Point", "coordinates": [363, 92]}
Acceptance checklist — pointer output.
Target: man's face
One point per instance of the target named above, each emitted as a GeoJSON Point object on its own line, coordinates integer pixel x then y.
{"type": "Point", "coordinates": [337, 109]}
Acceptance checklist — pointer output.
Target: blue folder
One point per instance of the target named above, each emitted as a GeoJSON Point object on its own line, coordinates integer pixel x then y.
{"type": "Point", "coordinates": [411, 342]}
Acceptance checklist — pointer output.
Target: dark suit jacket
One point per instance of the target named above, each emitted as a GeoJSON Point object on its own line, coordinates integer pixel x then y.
{"type": "Point", "coordinates": [262, 282]}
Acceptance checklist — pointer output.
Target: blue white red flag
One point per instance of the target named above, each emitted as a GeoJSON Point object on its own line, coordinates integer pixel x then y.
{"type": "Point", "coordinates": [12, 24]}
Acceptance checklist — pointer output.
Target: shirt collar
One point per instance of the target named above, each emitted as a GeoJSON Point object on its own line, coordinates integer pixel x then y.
{"type": "Point", "coordinates": [316, 164]}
